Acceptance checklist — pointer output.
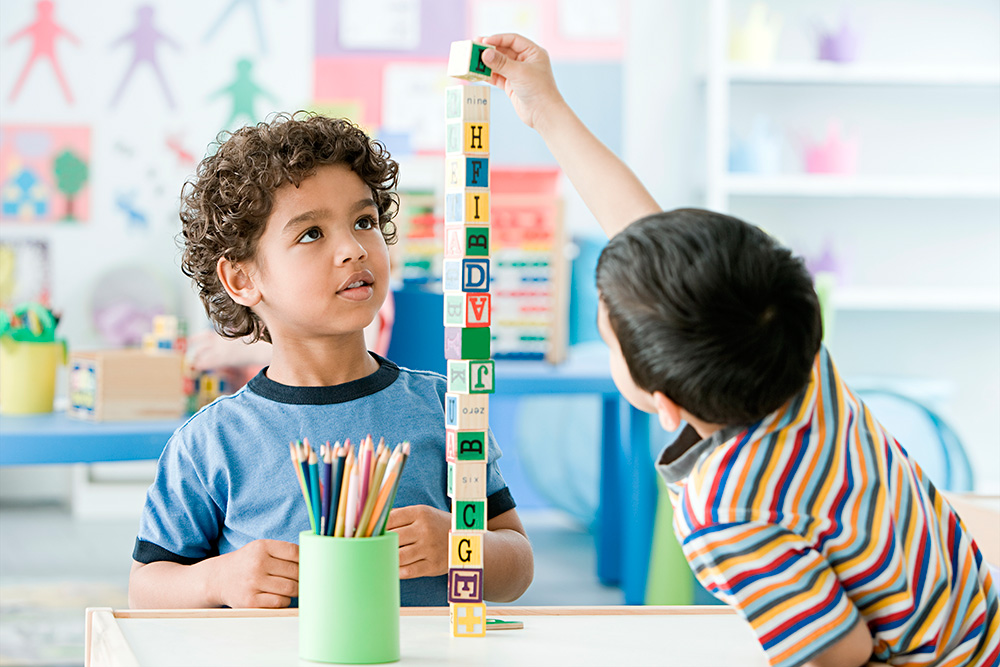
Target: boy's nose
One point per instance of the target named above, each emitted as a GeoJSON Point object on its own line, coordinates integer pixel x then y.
{"type": "Point", "coordinates": [350, 249]}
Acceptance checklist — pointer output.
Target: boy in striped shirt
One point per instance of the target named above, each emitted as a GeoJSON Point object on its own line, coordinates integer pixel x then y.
{"type": "Point", "coordinates": [792, 503]}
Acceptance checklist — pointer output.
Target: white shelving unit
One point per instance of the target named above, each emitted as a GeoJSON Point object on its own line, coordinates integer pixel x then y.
{"type": "Point", "coordinates": [919, 230]}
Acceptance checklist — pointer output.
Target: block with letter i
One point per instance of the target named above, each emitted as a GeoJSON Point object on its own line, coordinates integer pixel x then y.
{"type": "Point", "coordinates": [466, 206]}
{"type": "Point", "coordinates": [465, 61]}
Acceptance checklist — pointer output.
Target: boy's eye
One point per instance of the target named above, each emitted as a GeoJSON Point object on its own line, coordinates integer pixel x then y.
{"type": "Point", "coordinates": [312, 234]}
{"type": "Point", "coordinates": [366, 222]}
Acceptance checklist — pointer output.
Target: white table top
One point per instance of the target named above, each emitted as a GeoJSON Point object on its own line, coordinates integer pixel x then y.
{"type": "Point", "coordinates": [578, 636]}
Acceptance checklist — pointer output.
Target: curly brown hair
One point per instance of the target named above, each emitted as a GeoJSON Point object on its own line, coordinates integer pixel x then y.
{"type": "Point", "coordinates": [225, 206]}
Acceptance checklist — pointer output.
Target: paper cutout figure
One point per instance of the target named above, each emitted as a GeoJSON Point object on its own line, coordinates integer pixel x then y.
{"type": "Point", "coordinates": [835, 155]}
{"type": "Point", "coordinates": [244, 91]}
{"type": "Point", "coordinates": [145, 37]}
{"type": "Point", "coordinates": [759, 152]}
{"type": "Point", "coordinates": [757, 39]}
{"type": "Point", "coordinates": [840, 45]}
{"type": "Point", "coordinates": [254, 7]}
{"type": "Point", "coordinates": [44, 33]}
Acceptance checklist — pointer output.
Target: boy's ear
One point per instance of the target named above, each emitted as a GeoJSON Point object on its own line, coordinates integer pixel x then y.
{"type": "Point", "coordinates": [238, 283]}
{"type": "Point", "coordinates": [668, 411]}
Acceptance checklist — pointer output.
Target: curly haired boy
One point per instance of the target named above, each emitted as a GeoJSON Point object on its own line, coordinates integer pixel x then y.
{"type": "Point", "coordinates": [285, 233]}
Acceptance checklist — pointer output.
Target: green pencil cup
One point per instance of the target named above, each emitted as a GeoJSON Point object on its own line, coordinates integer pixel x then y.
{"type": "Point", "coordinates": [349, 598]}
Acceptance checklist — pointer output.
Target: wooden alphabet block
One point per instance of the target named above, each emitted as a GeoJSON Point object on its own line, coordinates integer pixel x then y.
{"type": "Point", "coordinates": [465, 446]}
{"type": "Point", "coordinates": [467, 138]}
{"type": "Point", "coordinates": [466, 343]}
{"type": "Point", "coordinates": [465, 61]}
{"type": "Point", "coordinates": [467, 104]}
{"type": "Point", "coordinates": [467, 207]}
{"type": "Point", "coordinates": [465, 549]}
{"type": "Point", "coordinates": [468, 515]}
{"type": "Point", "coordinates": [466, 412]}
{"type": "Point", "coordinates": [468, 619]}
{"type": "Point", "coordinates": [466, 241]}
{"type": "Point", "coordinates": [466, 171]}
{"type": "Point", "coordinates": [470, 377]}
{"type": "Point", "coordinates": [127, 384]}
{"type": "Point", "coordinates": [467, 309]}
{"type": "Point", "coordinates": [467, 480]}
{"type": "Point", "coordinates": [465, 584]}
{"type": "Point", "coordinates": [467, 275]}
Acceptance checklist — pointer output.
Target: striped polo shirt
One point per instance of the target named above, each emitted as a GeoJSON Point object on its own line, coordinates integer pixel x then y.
{"type": "Point", "coordinates": [815, 515]}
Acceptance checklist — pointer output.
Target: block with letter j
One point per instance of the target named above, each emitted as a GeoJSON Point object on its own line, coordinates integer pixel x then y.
{"type": "Point", "coordinates": [466, 376]}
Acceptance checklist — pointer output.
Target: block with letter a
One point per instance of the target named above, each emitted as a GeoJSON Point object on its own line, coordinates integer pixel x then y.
{"type": "Point", "coordinates": [467, 309]}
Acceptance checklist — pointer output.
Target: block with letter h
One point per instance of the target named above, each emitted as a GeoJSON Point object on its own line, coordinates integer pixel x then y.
{"type": "Point", "coordinates": [467, 376]}
{"type": "Point", "coordinates": [466, 275]}
{"type": "Point", "coordinates": [467, 310]}
{"type": "Point", "coordinates": [465, 61]}
{"type": "Point", "coordinates": [467, 138]}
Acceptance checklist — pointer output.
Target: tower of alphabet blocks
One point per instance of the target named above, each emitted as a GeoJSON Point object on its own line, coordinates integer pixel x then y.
{"type": "Point", "coordinates": [466, 279]}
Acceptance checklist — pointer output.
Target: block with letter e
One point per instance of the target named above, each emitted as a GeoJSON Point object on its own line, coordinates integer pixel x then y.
{"type": "Point", "coordinates": [468, 515]}
{"type": "Point", "coordinates": [466, 343]}
{"type": "Point", "coordinates": [466, 412]}
{"type": "Point", "coordinates": [466, 241]}
{"type": "Point", "coordinates": [467, 480]}
{"type": "Point", "coordinates": [465, 61]}
{"type": "Point", "coordinates": [468, 619]}
{"type": "Point", "coordinates": [466, 376]}
{"type": "Point", "coordinates": [465, 584]}
{"type": "Point", "coordinates": [466, 206]}
{"type": "Point", "coordinates": [468, 309]}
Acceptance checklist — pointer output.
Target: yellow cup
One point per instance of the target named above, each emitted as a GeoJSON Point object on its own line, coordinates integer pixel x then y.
{"type": "Point", "coordinates": [28, 375]}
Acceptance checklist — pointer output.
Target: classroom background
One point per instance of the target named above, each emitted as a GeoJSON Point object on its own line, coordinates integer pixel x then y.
{"type": "Point", "coordinates": [865, 135]}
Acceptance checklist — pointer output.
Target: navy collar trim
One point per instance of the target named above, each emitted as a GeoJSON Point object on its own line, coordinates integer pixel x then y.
{"type": "Point", "coordinates": [340, 393]}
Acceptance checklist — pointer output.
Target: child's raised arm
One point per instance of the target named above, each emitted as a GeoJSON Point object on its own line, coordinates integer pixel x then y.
{"type": "Point", "coordinates": [608, 187]}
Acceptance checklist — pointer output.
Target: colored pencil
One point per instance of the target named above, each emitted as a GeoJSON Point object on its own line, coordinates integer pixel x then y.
{"type": "Point", "coordinates": [378, 471]}
{"type": "Point", "coordinates": [304, 464]}
{"type": "Point", "coordinates": [352, 502]}
{"type": "Point", "coordinates": [384, 490]}
{"type": "Point", "coordinates": [364, 477]}
{"type": "Point", "coordinates": [342, 503]}
{"type": "Point", "coordinates": [302, 484]}
{"type": "Point", "coordinates": [384, 518]}
{"type": "Point", "coordinates": [326, 484]}
{"type": "Point", "coordinates": [336, 466]}
{"type": "Point", "coordinates": [315, 490]}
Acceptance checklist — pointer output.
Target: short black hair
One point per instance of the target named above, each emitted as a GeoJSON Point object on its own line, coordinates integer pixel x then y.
{"type": "Point", "coordinates": [711, 311]}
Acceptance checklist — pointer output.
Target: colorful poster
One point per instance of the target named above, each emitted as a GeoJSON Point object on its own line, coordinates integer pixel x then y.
{"type": "Point", "coordinates": [44, 173]}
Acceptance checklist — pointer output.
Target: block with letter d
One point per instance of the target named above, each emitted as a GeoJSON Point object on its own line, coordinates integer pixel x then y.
{"type": "Point", "coordinates": [465, 549]}
{"type": "Point", "coordinates": [466, 376]}
{"type": "Point", "coordinates": [465, 584]}
{"type": "Point", "coordinates": [467, 104]}
{"type": "Point", "coordinates": [466, 412]}
{"type": "Point", "coordinates": [466, 275]}
{"type": "Point", "coordinates": [467, 207]}
{"type": "Point", "coordinates": [467, 309]}
{"type": "Point", "coordinates": [466, 241]}
{"type": "Point", "coordinates": [467, 480]}
{"type": "Point", "coordinates": [465, 61]}
{"type": "Point", "coordinates": [468, 619]}
{"type": "Point", "coordinates": [466, 343]}
{"type": "Point", "coordinates": [466, 171]}
{"type": "Point", "coordinates": [468, 515]}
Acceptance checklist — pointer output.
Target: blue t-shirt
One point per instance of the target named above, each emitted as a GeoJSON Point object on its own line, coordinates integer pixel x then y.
{"type": "Point", "coordinates": [225, 477]}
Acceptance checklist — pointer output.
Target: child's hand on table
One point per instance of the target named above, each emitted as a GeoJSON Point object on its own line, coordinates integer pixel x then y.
{"type": "Point", "coordinates": [263, 573]}
{"type": "Point", "coordinates": [423, 540]}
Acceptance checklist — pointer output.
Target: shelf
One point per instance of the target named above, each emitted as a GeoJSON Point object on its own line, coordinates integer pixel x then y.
{"type": "Point", "coordinates": [820, 185]}
{"type": "Point", "coordinates": [976, 300]}
{"type": "Point", "coordinates": [806, 73]}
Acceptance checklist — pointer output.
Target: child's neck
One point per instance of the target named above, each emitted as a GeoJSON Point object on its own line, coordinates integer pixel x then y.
{"type": "Point", "coordinates": [320, 363]}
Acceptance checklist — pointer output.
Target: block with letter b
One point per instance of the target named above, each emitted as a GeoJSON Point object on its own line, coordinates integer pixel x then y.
{"type": "Point", "coordinates": [465, 445]}
{"type": "Point", "coordinates": [467, 138]}
{"type": "Point", "coordinates": [465, 61]}
{"type": "Point", "coordinates": [468, 515]}
{"type": "Point", "coordinates": [467, 309]}
{"type": "Point", "coordinates": [465, 549]}
{"type": "Point", "coordinates": [467, 207]}
{"type": "Point", "coordinates": [464, 171]}
{"type": "Point", "coordinates": [465, 412]}
{"type": "Point", "coordinates": [465, 584]}
{"type": "Point", "coordinates": [468, 619]}
{"type": "Point", "coordinates": [466, 343]}
{"type": "Point", "coordinates": [467, 376]}
{"type": "Point", "coordinates": [467, 104]}
{"type": "Point", "coordinates": [466, 241]}
{"type": "Point", "coordinates": [467, 480]}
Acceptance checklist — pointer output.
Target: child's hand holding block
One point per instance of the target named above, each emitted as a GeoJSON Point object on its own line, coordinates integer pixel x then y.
{"type": "Point", "coordinates": [465, 61]}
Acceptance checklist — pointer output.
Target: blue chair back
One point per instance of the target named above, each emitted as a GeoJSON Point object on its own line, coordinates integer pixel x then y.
{"type": "Point", "coordinates": [417, 340]}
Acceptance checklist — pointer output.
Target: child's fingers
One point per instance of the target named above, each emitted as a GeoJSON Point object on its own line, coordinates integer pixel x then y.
{"type": "Point", "coordinates": [510, 41]}
{"type": "Point", "coordinates": [271, 601]}
{"type": "Point", "coordinates": [401, 516]}
{"type": "Point", "coordinates": [282, 568]}
{"type": "Point", "coordinates": [280, 586]}
{"type": "Point", "coordinates": [288, 551]}
{"type": "Point", "coordinates": [410, 554]}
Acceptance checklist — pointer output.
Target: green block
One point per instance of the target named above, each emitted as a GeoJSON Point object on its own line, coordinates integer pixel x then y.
{"type": "Point", "coordinates": [466, 343]}
{"type": "Point", "coordinates": [468, 515]}
{"type": "Point", "coordinates": [470, 377]}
